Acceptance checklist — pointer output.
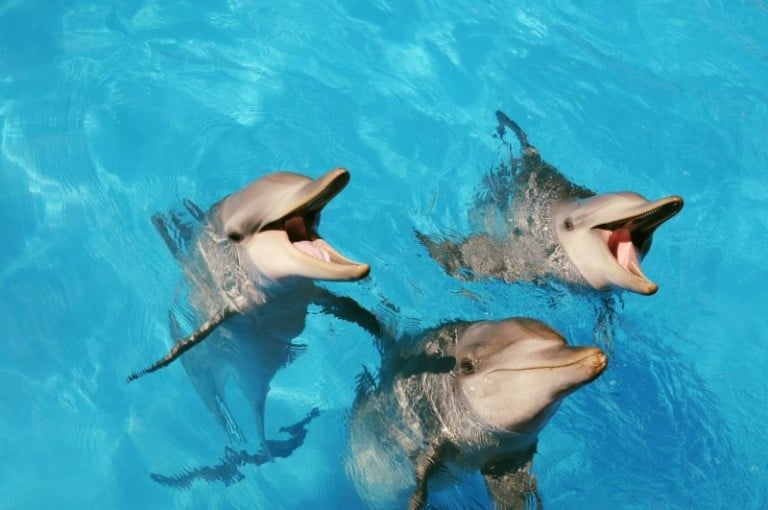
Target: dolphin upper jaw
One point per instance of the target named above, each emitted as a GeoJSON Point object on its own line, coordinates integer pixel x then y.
{"type": "Point", "coordinates": [607, 236]}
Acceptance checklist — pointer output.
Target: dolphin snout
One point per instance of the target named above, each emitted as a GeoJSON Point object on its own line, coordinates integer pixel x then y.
{"type": "Point", "coordinates": [596, 362]}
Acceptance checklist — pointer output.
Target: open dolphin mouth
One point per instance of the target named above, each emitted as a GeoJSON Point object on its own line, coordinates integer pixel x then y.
{"type": "Point", "coordinates": [303, 236]}
{"type": "Point", "coordinates": [300, 224]}
{"type": "Point", "coordinates": [629, 239]}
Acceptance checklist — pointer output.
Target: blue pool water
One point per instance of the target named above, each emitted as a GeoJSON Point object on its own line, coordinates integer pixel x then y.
{"type": "Point", "coordinates": [110, 111]}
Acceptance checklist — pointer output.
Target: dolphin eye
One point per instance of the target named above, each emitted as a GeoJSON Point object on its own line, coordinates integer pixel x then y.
{"type": "Point", "coordinates": [568, 224]}
{"type": "Point", "coordinates": [466, 366]}
{"type": "Point", "coordinates": [235, 237]}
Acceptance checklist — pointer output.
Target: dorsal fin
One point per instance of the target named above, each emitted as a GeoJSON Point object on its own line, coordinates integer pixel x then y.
{"type": "Point", "coordinates": [528, 153]}
{"type": "Point", "coordinates": [184, 344]}
{"type": "Point", "coordinates": [506, 122]}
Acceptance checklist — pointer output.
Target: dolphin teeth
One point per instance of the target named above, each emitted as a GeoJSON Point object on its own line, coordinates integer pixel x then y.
{"type": "Point", "coordinates": [648, 221]}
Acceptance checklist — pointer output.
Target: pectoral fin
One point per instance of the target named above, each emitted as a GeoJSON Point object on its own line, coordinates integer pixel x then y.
{"type": "Point", "coordinates": [426, 464]}
{"type": "Point", "coordinates": [183, 345]}
{"type": "Point", "coordinates": [347, 309]}
{"type": "Point", "coordinates": [447, 253]}
{"type": "Point", "coordinates": [201, 367]}
{"type": "Point", "coordinates": [512, 486]}
{"type": "Point", "coordinates": [470, 259]}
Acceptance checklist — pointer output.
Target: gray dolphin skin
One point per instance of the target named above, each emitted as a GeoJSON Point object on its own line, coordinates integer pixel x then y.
{"type": "Point", "coordinates": [249, 268]}
{"type": "Point", "coordinates": [533, 224]}
{"type": "Point", "coordinates": [464, 397]}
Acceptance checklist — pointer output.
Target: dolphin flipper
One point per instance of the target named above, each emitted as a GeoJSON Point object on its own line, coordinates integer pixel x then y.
{"type": "Point", "coordinates": [193, 209]}
{"type": "Point", "coordinates": [512, 486]}
{"type": "Point", "coordinates": [177, 227]}
{"type": "Point", "coordinates": [469, 259]}
{"type": "Point", "coordinates": [349, 310]}
{"type": "Point", "coordinates": [447, 253]}
{"type": "Point", "coordinates": [207, 385]}
{"type": "Point", "coordinates": [428, 463]}
{"type": "Point", "coordinates": [183, 345]}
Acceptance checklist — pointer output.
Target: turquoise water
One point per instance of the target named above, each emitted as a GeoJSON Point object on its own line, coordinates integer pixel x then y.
{"type": "Point", "coordinates": [112, 111]}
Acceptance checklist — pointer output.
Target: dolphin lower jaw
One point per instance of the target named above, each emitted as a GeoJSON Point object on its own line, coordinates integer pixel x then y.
{"type": "Point", "coordinates": [319, 250]}
{"type": "Point", "coordinates": [273, 254]}
{"type": "Point", "coordinates": [617, 264]}
{"type": "Point", "coordinates": [326, 262]}
{"type": "Point", "coordinates": [520, 418]}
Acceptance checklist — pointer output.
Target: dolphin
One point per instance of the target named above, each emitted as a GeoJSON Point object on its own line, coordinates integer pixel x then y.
{"type": "Point", "coordinates": [532, 224]}
{"type": "Point", "coordinates": [249, 266]}
{"type": "Point", "coordinates": [463, 397]}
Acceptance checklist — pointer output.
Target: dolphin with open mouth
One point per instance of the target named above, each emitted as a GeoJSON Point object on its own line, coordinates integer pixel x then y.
{"type": "Point", "coordinates": [250, 264]}
{"type": "Point", "coordinates": [533, 224]}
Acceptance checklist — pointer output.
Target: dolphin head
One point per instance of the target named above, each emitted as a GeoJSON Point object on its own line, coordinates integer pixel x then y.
{"type": "Point", "coordinates": [274, 220]}
{"type": "Point", "coordinates": [606, 237]}
{"type": "Point", "coordinates": [514, 373]}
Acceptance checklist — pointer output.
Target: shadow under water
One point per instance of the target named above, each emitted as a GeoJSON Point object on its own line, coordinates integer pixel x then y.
{"type": "Point", "coordinates": [228, 470]}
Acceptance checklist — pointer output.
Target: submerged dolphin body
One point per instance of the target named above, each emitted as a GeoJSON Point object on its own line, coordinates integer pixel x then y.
{"type": "Point", "coordinates": [249, 264]}
{"type": "Point", "coordinates": [533, 224]}
{"type": "Point", "coordinates": [463, 397]}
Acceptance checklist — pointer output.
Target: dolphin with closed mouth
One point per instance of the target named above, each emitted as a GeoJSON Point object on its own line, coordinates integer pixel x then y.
{"type": "Point", "coordinates": [249, 265]}
{"type": "Point", "coordinates": [463, 397]}
{"type": "Point", "coordinates": [533, 225]}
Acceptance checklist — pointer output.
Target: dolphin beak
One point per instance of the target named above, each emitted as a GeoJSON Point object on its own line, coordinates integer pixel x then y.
{"type": "Point", "coordinates": [643, 222]}
{"type": "Point", "coordinates": [296, 218]}
{"type": "Point", "coordinates": [554, 355]}
{"type": "Point", "coordinates": [595, 361]}
{"type": "Point", "coordinates": [629, 238]}
{"type": "Point", "coordinates": [316, 193]}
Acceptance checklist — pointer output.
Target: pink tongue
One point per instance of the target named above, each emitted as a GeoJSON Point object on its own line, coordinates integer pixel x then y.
{"type": "Point", "coordinates": [620, 244]}
{"type": "Point", "coordinates": [617, 237]}
{"type": "Point", "coordinates": [312, 250]}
